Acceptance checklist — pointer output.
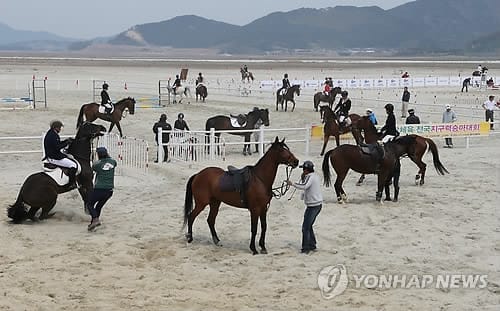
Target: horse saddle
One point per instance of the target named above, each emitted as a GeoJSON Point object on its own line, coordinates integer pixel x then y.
{"type": "Point", "coordinates": [58, 173]}
{"type": "Point", "coordinates": [239, 120]}
{"type": "Point", "coordinates": [235, 179]}
{"type": "Point", "coordinates": [106, 110]}
{"type": "Point", "coordinates": [375, 151]}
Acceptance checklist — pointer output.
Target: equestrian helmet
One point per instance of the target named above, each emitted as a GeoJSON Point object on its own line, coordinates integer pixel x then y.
{"type": "Point", "coordinates": [105, 86]}
{"type": "Point", "coordinates": [411, 111]}
{"type": "Point", "coordinates": [56, 124]}
{"type": "Point", "coordinates": [177, 76]}
{"type": "Point", "coordinates": [180, 116]}
{"type": "Point", "coordinates": [102, 151]}
{"type": "Point", "coordinates": [286, 75]}
{"type": "Point", "coordinates": [307, 165]}
{"type": "Point", "coordinates": [344, 94]}
{"type": "Point", "coordinates": [389, 107]}
{"type": "Point", "coordinates": [199, 74]}
{"type": "Point", "coordinates": [163, 117]}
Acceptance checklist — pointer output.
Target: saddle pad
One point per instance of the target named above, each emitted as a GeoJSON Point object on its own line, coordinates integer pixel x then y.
{"type": "Point", "coordinates": [58, 175]}
{"type": "Point", "coordinates": [234, 123]}
{"type": "Point", "coordinates": [102, 109]}
{"type": "Point", "coordinates": [226, 183]}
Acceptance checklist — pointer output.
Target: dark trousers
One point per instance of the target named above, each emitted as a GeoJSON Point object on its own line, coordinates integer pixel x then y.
{"type": "Point", "coordinates": [165, 154]}
{"type": "Point", "coordinates": [308, 237]}
{"type": "Point", "coordinates": [489, 117]}
{"type": "Point", "coordinates": [448, 141]}
{"type": "Point", "coordinates": [96, 200]}
{"type": "Point", "coordinates": [466, 87]}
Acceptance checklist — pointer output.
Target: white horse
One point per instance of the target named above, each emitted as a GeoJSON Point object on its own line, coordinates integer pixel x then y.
{"type": "Point", "coordinates": [182, 91]}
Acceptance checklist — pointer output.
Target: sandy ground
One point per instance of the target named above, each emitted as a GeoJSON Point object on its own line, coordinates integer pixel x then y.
{"type": "Point", "coordinates": [139, 258]}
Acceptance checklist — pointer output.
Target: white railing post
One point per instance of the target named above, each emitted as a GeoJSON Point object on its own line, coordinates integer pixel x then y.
{"type": "Point", "coordinates": [261, 141]}
{"type": "Point", "coordinates": [160, 155]}
{"type": "Point", "coordinates": [212, 148]}
{"type": "Point", "coordinates": [308, 139]}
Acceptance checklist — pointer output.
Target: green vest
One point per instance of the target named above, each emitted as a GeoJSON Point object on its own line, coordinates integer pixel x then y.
{"type": "Point", "coordinates": [105, 173]}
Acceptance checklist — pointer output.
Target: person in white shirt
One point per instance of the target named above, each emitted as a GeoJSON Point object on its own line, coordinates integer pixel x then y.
{"type": "Point", "coordinates": [313, 198]}
{"type": "Point", "coordinates": [489, 106]}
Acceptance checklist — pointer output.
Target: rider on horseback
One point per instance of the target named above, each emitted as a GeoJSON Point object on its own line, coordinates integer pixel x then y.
{"type": "Point", "coordinates": [52, 145]}
{"type": "Point", "coordinates": [327, 87]}
{"type": "Point", "coordinates": [342, 110]}
{"type": "Point", "coordinates": [286, 85]}
{"type": "Point", "coordinates": [105, 100]}
{"type": "Point", "coordinates": [199, 80]}
{"type": "Point", "coordinates": [177, 83]}
{"type": "Point", "coordinates": [245, 68]}
{"type": "Point", "coordinates": [389, 131]}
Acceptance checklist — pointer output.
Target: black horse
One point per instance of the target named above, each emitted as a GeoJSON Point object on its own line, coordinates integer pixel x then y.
{"type": "Point", "coordinates": [477, 73]}
{"type": "Point", "coordinates": [201, 90]}
{"type": "Point", "coordinates": [39, 190]}
{"type": "Point", "coordinates": [224, 123]}
{"type": "Point", "coordinates": [330, 99]}
{"type": "Point", "coordinates": [288, 96]}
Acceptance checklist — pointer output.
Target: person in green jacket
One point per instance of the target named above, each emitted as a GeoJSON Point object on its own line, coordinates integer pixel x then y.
{"type": "Point", "coordinates": [104, 169]}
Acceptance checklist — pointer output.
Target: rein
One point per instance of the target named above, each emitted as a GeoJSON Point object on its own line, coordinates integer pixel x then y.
{"type": "Point", "coordinates": [280, 191]}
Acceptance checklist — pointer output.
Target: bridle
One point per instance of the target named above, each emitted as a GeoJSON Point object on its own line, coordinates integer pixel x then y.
{"type": "Point", "coordinates": [280, 191]}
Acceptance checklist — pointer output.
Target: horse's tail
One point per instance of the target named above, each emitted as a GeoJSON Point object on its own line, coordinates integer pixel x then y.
{"type": "Point", "coordinates": [188, 202]}
{"type": "Point", "coordinates": [435, 157]}
{"type": "Point", "coordinates": [79, 121]}
{"type": "Point", "coordinates": [17, 211]}
{"type": "Point", "coordinates": [326, 169]}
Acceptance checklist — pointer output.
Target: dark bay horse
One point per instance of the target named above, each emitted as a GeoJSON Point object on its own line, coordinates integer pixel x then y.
{"type": "Point", "coordinates": [220, 123]}
{"type": "Point", "coordinates": [205, 188]}
{"type": "Point", "coordinates": [346, 157]}
{"type": "Point", "coordinates": [91, 112]}
{"type": "Point", "coordinates": [288, 96]}
{"type": "Point", "coordinates": [332, 128]}
{"type": "Point", "coordinates": [415, 151]}
{"type": "Point", "coordinates": [246, 75]}
{"type": "Point", "coordinates": [330, 99]}
{"type": "Point", "coordinates": [39, 190]}
{"type": "Point", "coordinates": [201, 91]}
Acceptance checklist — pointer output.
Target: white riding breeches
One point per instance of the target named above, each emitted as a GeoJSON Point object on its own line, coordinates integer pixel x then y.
{"type": "Point", "coordinates": [346, 119]}
{"type": "Point", "coordinates": [65, 162]}
{"type": "Point", "coordinates": [387, 138]}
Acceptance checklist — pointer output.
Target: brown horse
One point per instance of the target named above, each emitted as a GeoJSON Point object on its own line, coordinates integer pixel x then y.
{"type": "Point", "coordinates": [39, 190]}
{"type": "Point", "coordinates": [330, 99]}
{"type": "Point", "coordinates": [246, 75]}
{"type": "Point", "coordinates": [414, 151]}
{"type": "Point", "coordinates": [205, 187]}
{"type": "Point", "coordinates": [346, 157]}
{"type": "Point", "coordinates": [91, 112]}
{"type": "Point", "coordinates": [287, 97]}
{"type": "Point", "coordinates": [332, 128]}
{"type": "Point", "coordinates": [221, 123]}
{"type": "Point", "coordinates": [201, 90]}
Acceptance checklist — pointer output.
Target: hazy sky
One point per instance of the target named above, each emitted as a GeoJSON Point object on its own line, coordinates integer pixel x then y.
{"type": "Point", "coordinates": [87, 19]}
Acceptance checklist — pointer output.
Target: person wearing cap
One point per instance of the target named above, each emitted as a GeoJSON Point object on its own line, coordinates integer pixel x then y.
{"type": "Point", "coordinates": [449, 116]}
{"type": "Point", "coordinates": [52, 146]}
{"type": "Point", "coordinates": [405, 102]}
{"type": "Point", "coordinates": [181, 124]}
{"type": "Point", "coordinates": [465, 85]}
{"type": "Point", "coordinates": [105, 99]}
{"type": "Point", "coordinates": [313, 198]}
{"type": "Point", "coordinates": [104, 169]}
{"type": "Point", "coordinates": [489, 106]}
{"type": "Point", "coordinates": [371, 116]}
{"type": "Point", "coordinates": [165, 137]}
{"type": "Point", "coordinates": [258, 125]}
{"type": "Point", "coordinates": [412, 118]}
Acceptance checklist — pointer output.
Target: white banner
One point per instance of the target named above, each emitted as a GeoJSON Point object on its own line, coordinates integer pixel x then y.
{"type": "Point", "coordinates": [367, 83]}
{"type": "Point", "coordinates": [443, 81]}
{"type": "Point", "coordinates": [380, 83]}
{"type": "Point", "coordinates": [405, 82]}
{"type": "Point", "coordinates": [353, 83]}
{"type": "Point", "coordinates": [431, 81]}
{"type": "Point", "coordinates": [418, 82]}
{"type": "Point", "coordinates": [393, 83]}
{"type": "Point", "coordinates": [340, 83]}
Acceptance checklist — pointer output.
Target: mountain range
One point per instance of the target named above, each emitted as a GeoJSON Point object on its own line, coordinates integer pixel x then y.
{"type": "Point", "coordinates": [418, 27]}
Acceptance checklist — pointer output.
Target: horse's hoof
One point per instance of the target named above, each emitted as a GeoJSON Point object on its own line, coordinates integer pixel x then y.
{"type": "Point", "coordinates": [189, 237]}
{"type": "Point", "coordinates": [216, 241]}
{"type": "Point", "coordinates": [340, 201]}
{"type": "Point", "coordinates": [387, 199]}
{"type": "Point", "coordinates": [359, 183]}
{"type": "Point", "coordinates": [395, 200]}
{"type": "Point", "coordinates": [254, 252]}
{"type": "Point", "coordinates": [263, 251]}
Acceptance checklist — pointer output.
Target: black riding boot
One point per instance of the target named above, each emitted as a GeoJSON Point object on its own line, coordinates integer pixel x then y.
{"type": "Point", "coordinates": [72, 178]}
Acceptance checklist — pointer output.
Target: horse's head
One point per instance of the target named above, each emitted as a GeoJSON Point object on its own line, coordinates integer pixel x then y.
{"type": "Point", "coordinates": [264, 116]}
{"type": "Point", "coordinates": [89, 130]}
{"type": "Point", "coordinates": [284, 155]}
{"type": "Point", "coordinates": [296, 89]}
{"type": "Point", "coordinates": [130, 105]}
{"type": "Point", "coordinates": [325, 113]}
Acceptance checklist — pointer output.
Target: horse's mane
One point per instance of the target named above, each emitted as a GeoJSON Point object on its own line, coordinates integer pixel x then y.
{"type": "Point", "coordinates": [273, 145]}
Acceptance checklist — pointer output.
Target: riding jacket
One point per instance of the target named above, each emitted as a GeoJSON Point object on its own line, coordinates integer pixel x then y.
{"type": "Point", "coordinates": [181, 125]}
{"type": "Point", "coordinates": [412, 119]}
{"type": "Point", "coordinates": [105, 98]}
{"type": "Point", "coordinates": [177, 82]}
{"type": "Point", "coordinates": [343, 107]}
{"type": "Point", "coordinates": [52, 144]}
{"type": "Point", "coordinates": [286, 83]}
{"type": "Point", "coordinates": [390, 126]}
